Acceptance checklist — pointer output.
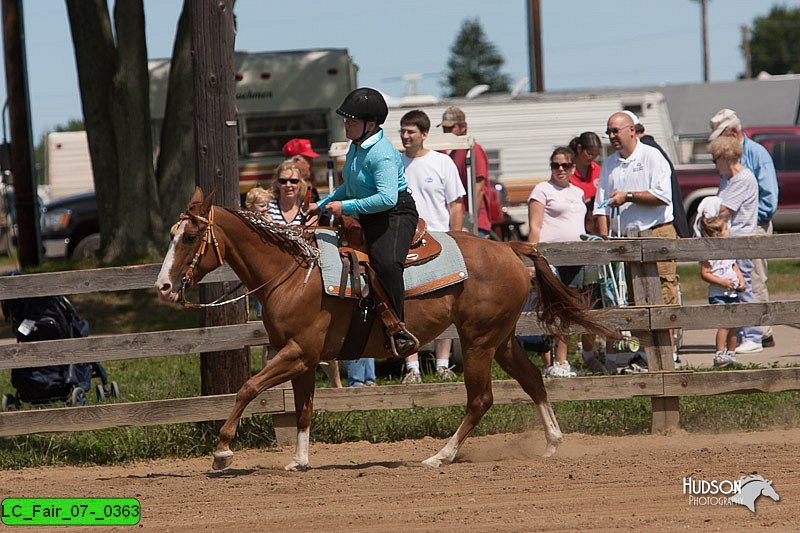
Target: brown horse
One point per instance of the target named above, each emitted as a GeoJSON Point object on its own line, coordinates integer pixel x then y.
{"type": "Point", "coordinates": [307, 326]}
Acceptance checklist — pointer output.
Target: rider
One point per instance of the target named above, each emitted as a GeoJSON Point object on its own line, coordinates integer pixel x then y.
{"type": "Point", "coordinates": [375, 190]}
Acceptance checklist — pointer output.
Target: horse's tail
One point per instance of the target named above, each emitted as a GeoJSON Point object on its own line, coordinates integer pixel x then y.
{"type": "Point", "coordinates": [557, 306]}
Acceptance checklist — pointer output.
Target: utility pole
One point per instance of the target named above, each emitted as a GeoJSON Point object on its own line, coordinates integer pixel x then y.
{"type": "Point", "coordinates": [26, 201]}
{"type": "Point", "coordinates": [748, 69]}
{"type": "Point", "coordinates": [217, 169]}
{"type": "Point", "coordinates": [535, 46]}
{"type": "Point", "coordinates": [704, 23]}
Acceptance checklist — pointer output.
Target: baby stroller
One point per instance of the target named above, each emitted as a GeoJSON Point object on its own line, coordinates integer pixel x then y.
{"type": "Point", "coordinates": [51, 318]}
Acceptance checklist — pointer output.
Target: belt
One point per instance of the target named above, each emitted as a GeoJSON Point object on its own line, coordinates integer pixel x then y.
{"type": "Point", "coordinates": [660, 225]}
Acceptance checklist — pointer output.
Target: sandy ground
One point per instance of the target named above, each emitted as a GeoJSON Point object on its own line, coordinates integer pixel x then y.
{"type": "Point", "coordinates": [498, 483]}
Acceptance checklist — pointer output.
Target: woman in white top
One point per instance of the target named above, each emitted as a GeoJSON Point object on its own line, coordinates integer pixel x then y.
{"type": "Point", "coordinates": [556, 212]}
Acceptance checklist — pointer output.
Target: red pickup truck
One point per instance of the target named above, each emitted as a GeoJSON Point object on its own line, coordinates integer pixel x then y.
{"type": "Point", "coordinates": [783, 143]}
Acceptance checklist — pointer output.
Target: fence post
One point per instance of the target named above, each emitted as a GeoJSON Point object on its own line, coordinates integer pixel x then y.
{"type": "Point", "coordinates": [657, 344]}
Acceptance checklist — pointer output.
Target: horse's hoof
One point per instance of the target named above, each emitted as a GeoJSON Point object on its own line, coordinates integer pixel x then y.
{"type": "Point", "coordinates": [432, 462]}
{"type": "Point", "coordinates": [294, 466]}
{"type": "Point", "coordinates": [549, 450]}
{"type": "Point", "coordinates": [222, 460]}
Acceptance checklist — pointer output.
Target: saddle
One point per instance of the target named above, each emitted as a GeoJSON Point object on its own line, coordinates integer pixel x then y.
{"type": "Point", "coordinates": [355, 262]}
{"type": "Point", "coordinates": [424, 247]}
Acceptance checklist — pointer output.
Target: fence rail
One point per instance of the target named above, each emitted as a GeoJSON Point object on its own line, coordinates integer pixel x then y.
{"type": "Point", "coordinates": [663, 387]}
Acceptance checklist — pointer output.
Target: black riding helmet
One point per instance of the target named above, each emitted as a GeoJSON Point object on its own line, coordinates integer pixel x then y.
{"type": "Point", "coordinates": [364, 104]}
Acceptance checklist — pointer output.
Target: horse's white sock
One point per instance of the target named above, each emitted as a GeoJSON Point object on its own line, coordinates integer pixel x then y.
{"type": "Point", "coordinates": [412, 366]}
{"type": "Point", "coordinates": [443, 363]}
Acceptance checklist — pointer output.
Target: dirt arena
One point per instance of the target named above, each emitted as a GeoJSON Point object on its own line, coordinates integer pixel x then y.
{"type": "Point", "coordinates": [499, 483]}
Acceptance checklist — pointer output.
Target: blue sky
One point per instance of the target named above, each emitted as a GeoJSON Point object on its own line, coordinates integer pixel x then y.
{"type": "Point", "coordinates": [586, 43]}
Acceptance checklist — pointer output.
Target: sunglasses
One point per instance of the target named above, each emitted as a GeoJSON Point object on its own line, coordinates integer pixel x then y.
{"type": "Point", "coordinates": [284, 181]}
{"type": "Point", "coordinates": [615, 131]}
{"type": "Point", "coordinates": [562, 166]}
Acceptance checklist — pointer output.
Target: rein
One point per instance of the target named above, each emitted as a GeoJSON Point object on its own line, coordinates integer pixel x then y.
{"type": "Point", "coordinates": [209, 238]}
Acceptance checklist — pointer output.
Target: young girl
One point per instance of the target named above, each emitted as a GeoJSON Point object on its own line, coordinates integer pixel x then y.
{"type": "Point", "coordinates": [725, 283]}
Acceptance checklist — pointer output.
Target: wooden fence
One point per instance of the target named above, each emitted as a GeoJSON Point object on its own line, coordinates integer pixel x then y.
{"type": "Point", "coordinates": [648, 319]}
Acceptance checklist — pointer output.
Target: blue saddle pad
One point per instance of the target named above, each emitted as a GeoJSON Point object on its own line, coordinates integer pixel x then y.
{"type": "Point", "coordinates": [446, 269]}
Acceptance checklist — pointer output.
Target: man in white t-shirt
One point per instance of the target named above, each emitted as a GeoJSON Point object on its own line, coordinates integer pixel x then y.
{"type": "Point", "coordinates": [437, 190]}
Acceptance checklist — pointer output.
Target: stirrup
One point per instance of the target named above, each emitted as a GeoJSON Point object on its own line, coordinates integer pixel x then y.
{"type": "Point", "coordinates": [408, 343]}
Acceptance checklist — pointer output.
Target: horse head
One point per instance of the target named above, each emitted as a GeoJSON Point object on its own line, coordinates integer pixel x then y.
{"type": "Point", "coordinates": [193, 250]}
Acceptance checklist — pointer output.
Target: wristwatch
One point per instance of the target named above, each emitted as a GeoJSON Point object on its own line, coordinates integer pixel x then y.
{"type": "Point", "coordinates": [629, 197]}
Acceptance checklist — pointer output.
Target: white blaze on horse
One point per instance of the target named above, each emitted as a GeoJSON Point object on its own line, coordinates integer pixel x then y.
{"type": "Point", "coordinates": [307, 326]}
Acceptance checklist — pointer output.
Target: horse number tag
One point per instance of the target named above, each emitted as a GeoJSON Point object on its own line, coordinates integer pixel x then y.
{"type": "Point", "coordinates": [27, 327]}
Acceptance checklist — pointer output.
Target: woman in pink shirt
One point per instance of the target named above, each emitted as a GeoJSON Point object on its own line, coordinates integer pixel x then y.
{"type": "Point", "coordinates": [556, 212]}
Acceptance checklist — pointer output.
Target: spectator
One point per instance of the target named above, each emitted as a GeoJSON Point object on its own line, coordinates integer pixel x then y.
{"type": "Point", "coordinates": [375, 189]}
{"type": "Point", "coordinates": [725, 282]}
{"type": "Point", "coordinates": [454, 121]}
{"type": "Point", "coordinates": [289, 191]}
{"type": "Point", "coordinates": [738, 196]}
{"type": "Point", "coordinates": [636, 179]}
{"type": "Point", "coordinates": [361, 372]}
{"type": "Point", "coordinates": [587, 147]}
{"type": "Point", "coordinates": [257, 200]}
{"type": "Point", "coordinates": [556, 213]}
{"type": "Point", "coordinates": [299, 150]}
{"type": "Point", "coordinates": [756, 158]}
{"type": "Point", "coordinates": [678, 212]}
{"type": "Point", "coordinates": [437, 190]}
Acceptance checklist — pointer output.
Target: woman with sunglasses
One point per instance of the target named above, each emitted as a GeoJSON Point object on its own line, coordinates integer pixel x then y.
{"type": "Point", "coordinates": [288, 192]}
{"type": "Point", "coordinates": [556, 211]}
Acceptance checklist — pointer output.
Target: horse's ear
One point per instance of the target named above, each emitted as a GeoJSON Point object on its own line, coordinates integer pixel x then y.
{"type": "Point", "coordinates": [197, 197]}
{"type": "Point", "coordinates": [207, 203]}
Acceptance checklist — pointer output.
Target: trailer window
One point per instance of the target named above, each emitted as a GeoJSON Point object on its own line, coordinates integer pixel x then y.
{"type": "Point", "coordinates": [495, 170]}
{"type": "Point", "coordinates": [265, 135]}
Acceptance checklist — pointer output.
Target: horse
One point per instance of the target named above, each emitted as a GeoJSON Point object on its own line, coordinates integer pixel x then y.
{"type": "Point", "coordinates": [751, 488]}
{"type": "Point", "coordinates": [306, 326]}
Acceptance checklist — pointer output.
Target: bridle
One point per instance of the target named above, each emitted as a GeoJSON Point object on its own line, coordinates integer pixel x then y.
{"type": "Point", "coordinates": [209, 238]}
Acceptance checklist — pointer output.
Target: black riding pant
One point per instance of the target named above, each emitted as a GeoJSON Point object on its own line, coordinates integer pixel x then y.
{"type": "Point", "coordinates": [388, 235]}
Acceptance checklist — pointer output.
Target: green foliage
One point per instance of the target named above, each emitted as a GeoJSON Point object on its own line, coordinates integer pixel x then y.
{"type": "Point", "coordinates": [474, 60]}
{"type": "Point", "coordinates": [775, 42]}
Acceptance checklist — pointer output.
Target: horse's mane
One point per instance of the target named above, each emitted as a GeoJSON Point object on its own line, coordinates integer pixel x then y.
{"type": "Point", "coordinates": [745, 480]}
{"type": "Point", "coordinates": [294, 237]}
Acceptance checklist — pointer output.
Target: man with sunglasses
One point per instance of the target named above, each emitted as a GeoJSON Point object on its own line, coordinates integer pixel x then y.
{"type": "Point", "coordinates": [635, 184]}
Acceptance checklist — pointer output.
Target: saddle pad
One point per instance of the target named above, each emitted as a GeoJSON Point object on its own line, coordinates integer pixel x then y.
{"type": "Point", "coordinates": [447, 269]}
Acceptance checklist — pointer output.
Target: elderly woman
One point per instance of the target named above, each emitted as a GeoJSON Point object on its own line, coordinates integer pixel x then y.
{"type": "Point", "coordinates": [738, 195]}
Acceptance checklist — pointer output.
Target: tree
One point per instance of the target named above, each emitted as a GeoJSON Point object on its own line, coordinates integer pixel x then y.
{"type": "Point", "coordinates": [474, 60]}
{"type": "Point", "coordinates": [135, 201]}
{"type": "Point", "coordinates": [775, 42]}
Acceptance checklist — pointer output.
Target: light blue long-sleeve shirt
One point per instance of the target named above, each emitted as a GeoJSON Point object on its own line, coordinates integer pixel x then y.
{"type": "Point", "coordinates": [373, 176]}
{"type": "Point", "coordinates": [757, 159]}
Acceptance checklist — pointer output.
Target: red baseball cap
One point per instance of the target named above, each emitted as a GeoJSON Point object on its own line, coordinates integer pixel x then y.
{"type": "Point", "coordinates": [299, 147]}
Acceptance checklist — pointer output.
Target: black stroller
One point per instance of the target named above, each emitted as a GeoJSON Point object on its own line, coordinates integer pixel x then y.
{"type": "Point", "coordinates": [51, 318]}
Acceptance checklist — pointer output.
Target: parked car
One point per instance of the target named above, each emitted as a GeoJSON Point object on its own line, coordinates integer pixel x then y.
{"type": "Point", "coordinates": [70, 226]}
{"type": "Point", "coordinates": [783, 143]}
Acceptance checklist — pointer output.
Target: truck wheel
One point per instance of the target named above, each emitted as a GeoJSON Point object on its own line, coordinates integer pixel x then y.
{"type": "Point", "coordinates": [86, 246]}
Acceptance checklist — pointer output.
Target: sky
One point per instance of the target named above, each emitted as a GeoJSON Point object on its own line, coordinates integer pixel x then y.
{"type": "Point", "coordinates": [586, 43]}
